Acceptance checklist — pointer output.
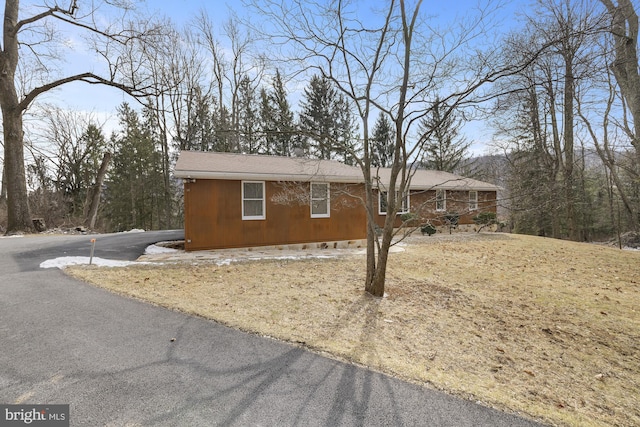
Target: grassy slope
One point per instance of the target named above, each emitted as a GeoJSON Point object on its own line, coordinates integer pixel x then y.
{"type": "Point", "coordinates": [545, 327]}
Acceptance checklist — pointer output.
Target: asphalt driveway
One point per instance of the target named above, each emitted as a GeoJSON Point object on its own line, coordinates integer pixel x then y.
{"type": "Point", "coordinates": [122, 362]}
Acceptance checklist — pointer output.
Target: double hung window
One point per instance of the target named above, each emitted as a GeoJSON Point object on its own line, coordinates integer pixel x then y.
{"type": "Point", "coordinates": [319, 200]}
{"type": "Point", "coordinates": [382, 203]}
{"type": "Point", "coordinates": [253, 200]}
{"type": "Point", "coordinates": [473, 200]}
{"type": "Point", "coordinates": [441, 200]}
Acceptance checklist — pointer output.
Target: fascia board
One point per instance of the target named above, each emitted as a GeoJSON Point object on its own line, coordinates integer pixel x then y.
{"type": "Point", "coordinates": [454, 188]}
{"type": "Point", "coordinates": [442, 187]}
{"type": "Point", "coordinates": [237, 176]}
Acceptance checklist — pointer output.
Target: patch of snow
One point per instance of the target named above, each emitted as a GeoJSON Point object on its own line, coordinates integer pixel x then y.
{"type": "Point", "coordinates": [155, 249]}
{"type": "Point", "coordinates": [135, 230]}
{"type": "Point", "coordinates": [628, 248]}
{"type": "Point", "coordinates": [228, 261]}
{"type": "Point", "coordinates": [294, 257]}
{"type": "Point", "coordinates": [62, 262]}
{"type": "Point", "coordinates": [392, 250]}
{"type": "Point", "coordinates": [12, 236]}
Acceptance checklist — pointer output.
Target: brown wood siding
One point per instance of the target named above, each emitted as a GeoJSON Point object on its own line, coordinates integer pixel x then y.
{"type": "Point", "coordinates": [213, 218]}
{"type": "Point", "coordinates": [423, 204]}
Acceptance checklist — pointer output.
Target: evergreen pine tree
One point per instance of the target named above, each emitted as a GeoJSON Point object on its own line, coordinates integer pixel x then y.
{"type": "Point", "coordinates": [267, 123]}
{"type": "Point", "coordinates": [316, 118]}
{"type": "Point", "coordinates": [327, 124]}
{"type": "Point", "coordinates": [277, 124]}
{"type": "Point", "coordinates": [158, 191]}
{"type": "Point", "coordinates": [347, 148]}
{"type": "Point", "coordinates": [382, 142]}
{"type": "Point", "coordinates": [197, 127]}
{"type": "Point", "coordinates": [223, 130]}
{"type": "Point", "coordinates": [134, 185]}
{"type": "Point", "coordinates": [248, 118]}
{"type": "Point", "coordinates": [444, 147]}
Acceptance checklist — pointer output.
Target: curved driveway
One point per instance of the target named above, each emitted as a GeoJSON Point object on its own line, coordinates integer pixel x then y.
{"type": "Point", "coordinates": [122, 362]}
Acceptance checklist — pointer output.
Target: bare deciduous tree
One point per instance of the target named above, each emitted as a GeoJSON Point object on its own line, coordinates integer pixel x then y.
{"type": "Point", "coordinates": [75, 143]}
{"type": "Point", "coordinates": [568, 28]}
{"type": "Point", "coordinates": [92, 202]}
{"type": "Point", "coordinates": [624, 30]}
{"type": "Point", "coordinates": [32, 41]}
{"type": "Point", "coordinates": [396, 64]}
{"type": "Point", "coordinates": [546, 155]}
{"type": "Point", "coordinates": [230, 67]}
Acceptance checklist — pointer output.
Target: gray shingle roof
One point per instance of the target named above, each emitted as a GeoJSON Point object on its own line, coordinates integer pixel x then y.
{"type": "Point", "coordinates": [192, 164]}
{"type": "Point", "coordinates": [422, 179]}
{"type": "Point", "coordinates": [229, 166]}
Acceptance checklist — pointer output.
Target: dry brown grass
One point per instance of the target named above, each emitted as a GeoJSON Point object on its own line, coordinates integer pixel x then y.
{"type": "Point", "coordinates": [545, 327]}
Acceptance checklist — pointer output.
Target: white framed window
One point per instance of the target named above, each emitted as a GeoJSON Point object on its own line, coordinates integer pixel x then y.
{"type": "Point", "coordinates": [441, 200]}
{"type": "Point", "coordinates": [382, 203]}
{"type": "Point", "coordinates": [253, 200]}
{"type": "Point", "coordinates": [473, 200]}
{"type": "Point", "coordinates": [404, 204]}
{"type": "Point", "coordinates": [320, 200]}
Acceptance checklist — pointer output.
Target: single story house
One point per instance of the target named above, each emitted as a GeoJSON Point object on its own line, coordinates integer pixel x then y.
{"type": "Point", "coordinates": [237, 200]}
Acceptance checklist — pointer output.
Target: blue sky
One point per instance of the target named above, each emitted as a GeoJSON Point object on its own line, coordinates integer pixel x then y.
{"type": "Point", "coordinates": [102, 101]}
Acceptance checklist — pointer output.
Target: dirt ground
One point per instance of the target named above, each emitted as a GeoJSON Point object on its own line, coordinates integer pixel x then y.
{"type": "Point", "coordinates": [541, 327]}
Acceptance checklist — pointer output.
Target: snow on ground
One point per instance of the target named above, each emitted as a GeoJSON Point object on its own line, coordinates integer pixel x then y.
{"type": "Point", "coordinates": [157, 255]}
{"type": "Point", "coordinates": [228, 261]}
{"type": "Point", "coordinates": [64, 261]}
{"type": "Point", "coordinates": [12, 236]}
{"type": "Point", "coordinates": [155, 249]}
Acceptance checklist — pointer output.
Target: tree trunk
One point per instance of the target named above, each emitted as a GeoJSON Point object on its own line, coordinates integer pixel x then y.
{"type": "Point", "coordinates": [134, 212]}
{"type": "Point", "coordinates": [93, 196]}
{"type": "Point", "coordinates": [377, 276]}
{"type": "Point", "coordinates": [18, 215]}
{"type": "Point", "coordinates": [608, 159]}
{"type": "Point", "coordinates": [625, 30]}
{"type": "Point", "coordinates": [371, 228]}
{"type": "Point", "coordinates": [371, 260]}
{"type": "Point", "coordinates": [625, 66]}
{"type": "Point", "coordinates": [569, 181]}
{"type": "Point", "coordinates": [166, 174]}
{"type": "Point", "coordinates": [555, 161]}
{"type": "Point", "coordinates": [377, 282]}
{"type": "Point", "coordinates": [3, 189]}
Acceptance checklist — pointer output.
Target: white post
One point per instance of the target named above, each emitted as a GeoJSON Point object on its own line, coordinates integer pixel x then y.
{"type": "Point", "coordinates": [93, 245]}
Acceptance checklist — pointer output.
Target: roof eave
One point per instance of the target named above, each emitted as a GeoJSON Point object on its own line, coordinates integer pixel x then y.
{"type": "Point", "coordinates": [236, 176]}
{"type": "Point", "coordinates": [243, 176]}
